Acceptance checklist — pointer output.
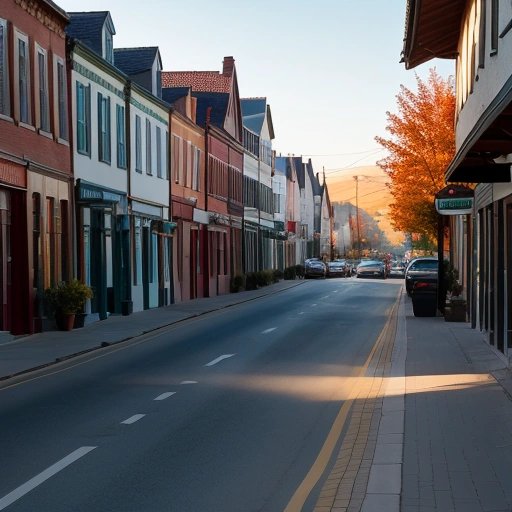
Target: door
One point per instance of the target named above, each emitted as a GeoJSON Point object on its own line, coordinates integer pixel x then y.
{"type": "Point", "coordinates": [5, 262]}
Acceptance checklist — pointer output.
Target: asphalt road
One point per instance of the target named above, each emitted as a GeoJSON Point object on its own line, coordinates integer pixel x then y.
{"type": "Point", "coordinates": [225, 413]}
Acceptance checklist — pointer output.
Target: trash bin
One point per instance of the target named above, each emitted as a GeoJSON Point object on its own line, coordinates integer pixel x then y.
{"type": "Point", "coordinates": [424, 297]}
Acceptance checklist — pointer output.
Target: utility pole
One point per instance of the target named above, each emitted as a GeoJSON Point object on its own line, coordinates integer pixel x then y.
{"type": "Point", "coordinates": [357, 217]}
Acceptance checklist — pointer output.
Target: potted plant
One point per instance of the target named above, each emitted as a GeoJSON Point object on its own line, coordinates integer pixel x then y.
{"type": "Point", "coordinates": [66, 300]}
{"type": "Point", "coordinates": [455, 310]}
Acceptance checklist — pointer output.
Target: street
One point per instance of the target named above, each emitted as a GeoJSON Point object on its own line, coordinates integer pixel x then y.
{"type": "Point", "coordinates": [225, 412]}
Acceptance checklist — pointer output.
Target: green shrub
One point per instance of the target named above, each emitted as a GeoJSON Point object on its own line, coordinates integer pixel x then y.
{"type": "Point", "coordinates": [290, 273]}
{"type": "Point", "coordinates": [237, 283]}
{"type": "Point", "coordinates": [277, 275]}
{"type": "Point", "coordinates": [251, 282]}
{"type": "Point", "coordinates": [299, 270]}
{"type": "Point", "coordinates": [68, 297]}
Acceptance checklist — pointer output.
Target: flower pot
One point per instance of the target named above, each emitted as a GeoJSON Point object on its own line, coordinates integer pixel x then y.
{"type": "Point", "coordinates": [455, 311]}
{"type": "Point", "coordinates": [64, 321]}
{"type": "Point", "coordinates": [79, 320]}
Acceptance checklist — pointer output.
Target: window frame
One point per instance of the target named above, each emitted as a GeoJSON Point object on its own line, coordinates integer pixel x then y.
{"type": "Point", "coordinates": [121, 136]}
{"type": "Point", "coordinates": [61, 100]}
{"type": "Point", "coordinates": [84, 120]}
{"type": "Point", "coordinates": [22, 91]}
{"type": "Point", "coordinates": [43, 94]}
{"type": "Point", "coordinates": [149, 156]}
{"type": "Point", "coordinates": [138, 143]}
{"type": "Point", "coordinates": [104, 129]}
{"type": "Point", "coordinates": [5, 96]}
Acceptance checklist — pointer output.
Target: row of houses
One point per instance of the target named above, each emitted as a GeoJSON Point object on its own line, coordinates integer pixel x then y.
{"type": "Point", "coordinates": [151, 186]}
{"type": "Point", "coordinates": [477, 35]}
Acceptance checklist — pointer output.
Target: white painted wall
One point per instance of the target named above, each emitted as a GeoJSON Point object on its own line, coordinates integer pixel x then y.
{"type": "Point", "coordinates": [90, 168]}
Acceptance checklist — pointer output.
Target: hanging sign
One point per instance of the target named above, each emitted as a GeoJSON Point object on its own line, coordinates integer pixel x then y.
{"type": "Point", "coordinates": [454, 200]}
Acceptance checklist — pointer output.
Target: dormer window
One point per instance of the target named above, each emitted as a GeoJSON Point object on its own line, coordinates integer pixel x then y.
{"type": "Point", "coordinates": [108, 47]}
{"type": "Point", "coordinates": [108, 39]}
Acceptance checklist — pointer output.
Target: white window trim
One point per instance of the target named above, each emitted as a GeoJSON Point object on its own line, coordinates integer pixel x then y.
{"type": "Point", "coordinates": [56, 61]}
{"type": "Point", "coordinates": [138, 143]}
{"type": "Point", "coordinates": [20, 36]}
{"type": "Point", "coordinates": [5, 93]}
{"type": "Point", "coordinates": [37, 87]}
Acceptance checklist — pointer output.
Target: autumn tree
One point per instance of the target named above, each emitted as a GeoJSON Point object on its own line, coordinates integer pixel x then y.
{"type": "Point", "coordinates": [421, 146]}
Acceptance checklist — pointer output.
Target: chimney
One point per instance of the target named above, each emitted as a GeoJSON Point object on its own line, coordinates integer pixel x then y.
{"type": "Point", "coordinates": [227, 66]}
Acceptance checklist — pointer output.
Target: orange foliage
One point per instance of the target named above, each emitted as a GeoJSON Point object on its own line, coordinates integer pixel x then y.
{"type": "Point", "coordinates": [421, 146]}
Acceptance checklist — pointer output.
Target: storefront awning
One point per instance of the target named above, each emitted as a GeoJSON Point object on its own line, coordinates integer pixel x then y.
{"type": "Point", "coordinates": [480, 159]}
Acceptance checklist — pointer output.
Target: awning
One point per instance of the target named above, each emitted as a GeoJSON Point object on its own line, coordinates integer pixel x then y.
{"type": "Point", "coordinates": [480, 157]}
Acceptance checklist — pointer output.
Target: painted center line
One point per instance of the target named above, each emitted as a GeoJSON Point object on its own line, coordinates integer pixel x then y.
{"type": "Point", "coordinates": [133, 419]}
{"type": "Point", "coordinates": [266, 331]}
{"type": "Point", "coordinates": [163, 396]}
{"type": "Point", "coordinates": [301, 313]}
{"type": "Point", "coordinates": [314, 304]}
{"type": "Point", "coordinates": [43, 476]}
{"type": "Point", "coordinates": [219, 359]}
{"type": "Point", "coordinates": [184, 382]}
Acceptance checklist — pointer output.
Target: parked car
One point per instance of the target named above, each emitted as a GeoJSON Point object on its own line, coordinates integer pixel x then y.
{"type": "Point", "coordinates": [338, 268]}
{"type": "Point", "coordinates": [397, 269]}
{"type": "Point", "coordinates": [424, 296]}
{"type": "Point", "coordinates": [371, 268]}
{"type": "Point", "coordinates": [420, 268]}
{"type": "Point", "coordinates": [314, 267]}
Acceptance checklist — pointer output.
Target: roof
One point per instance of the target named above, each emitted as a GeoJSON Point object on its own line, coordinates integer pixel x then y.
{"type": "Point", "coordinates": [200, 81]}
{"type": "Point", "coordinates": [172, 94]}
{"type": "Point", "coordinates": [87, 27]}
{"type": "Point", "coordinates": [300, 170]}
{"type": "Point", "coordinates": [432, 29]}
{"type": "Point", "coordinates": [218, 103]}
{"type": "Point", "coordinates": [133, 61]}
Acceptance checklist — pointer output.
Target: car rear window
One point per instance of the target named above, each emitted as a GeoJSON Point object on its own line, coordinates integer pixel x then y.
{"type": "Point", "coordinates": [424, 265]}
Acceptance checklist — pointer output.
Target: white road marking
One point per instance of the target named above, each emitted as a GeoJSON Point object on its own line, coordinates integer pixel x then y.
{"type": "Point", "coordinates": [163, 396]}
{"type": "Point", "coordinates": [301, 313]}
{"type": "Point", "coordinates": [183, 382]}
{"type": "Point", "coordinates": [314, 304]}
{"type": "Point", "coordinates": [219, 359]}
{"type": "Point", "coordinates": [43, 476]}
{"type": "Point", "coordinates": [266, 331]}
{"type": "Point", "coordinates": [133, 419]}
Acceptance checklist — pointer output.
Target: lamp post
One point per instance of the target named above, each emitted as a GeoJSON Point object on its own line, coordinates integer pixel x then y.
{"type": "Point", "coordinates": [357, 217]}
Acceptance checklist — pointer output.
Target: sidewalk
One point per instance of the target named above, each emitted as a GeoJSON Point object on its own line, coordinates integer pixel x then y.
{"type": "Point", "coordinates": [29, 353]}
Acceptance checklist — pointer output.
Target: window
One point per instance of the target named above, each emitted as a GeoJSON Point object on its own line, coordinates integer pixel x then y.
{"type": "Point", "coordinates": [494, 26]}
{"type": "Point", "coordinates": [196, 169]}
{"type": "Point", "coordinates": [121, 137]}
{"type": "Point", "coordinates": [83, 119]}
{"type": "Point", "coordinates": [176, 157]}
{"type": "Point", "coordinates": [61, 93]}
{"type": "Point", "coordinates": [158, 151]}
{"type": "Point", "coordinates": [166, 155]}
{"type": "Point", "coordinates": [149, 163]}
{"type": "Point", "coordinates": [23, 78]}
{"type": "Point", "coordinates": [109, 47]}
{"type": "Point", "coordinates": [103, 128]}
{"type": "Point", "coordinates": [43, 100]}
{"type": "Point", "coordinates": [138, 144]}
{"type": "Point", "coordinates": [5, 104]}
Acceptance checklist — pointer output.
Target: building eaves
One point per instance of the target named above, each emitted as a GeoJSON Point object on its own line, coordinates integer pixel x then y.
{"type": "Point", "coordinates": [432, 30]}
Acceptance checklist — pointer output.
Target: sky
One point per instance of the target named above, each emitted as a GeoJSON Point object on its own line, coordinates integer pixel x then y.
{"type": "Point", "coordinates": [330, 69]}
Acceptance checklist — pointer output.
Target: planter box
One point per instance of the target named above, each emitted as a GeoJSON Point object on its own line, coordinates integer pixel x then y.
{"type": "Point", "coordinates": [455, 311]}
